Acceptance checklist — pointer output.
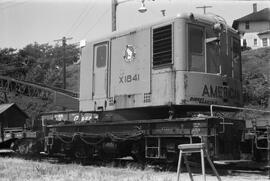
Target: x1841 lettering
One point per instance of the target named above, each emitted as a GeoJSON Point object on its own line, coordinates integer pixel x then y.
{"type": "Point", "coordinates": [129, 78]}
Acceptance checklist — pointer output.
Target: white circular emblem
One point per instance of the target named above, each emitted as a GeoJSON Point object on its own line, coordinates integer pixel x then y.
{"type": "Point", "coordinates": [130, 53]}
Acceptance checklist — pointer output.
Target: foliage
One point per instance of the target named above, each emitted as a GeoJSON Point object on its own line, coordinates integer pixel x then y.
{"type": "Point", "coordinates": [8, 55]}
{"type": "Point", "coordinates": [16, 169]}
{"type": "Point", "coordinates": [41, 63]}
{"type": "Point", "coordinates": [10, 64]}
{"type": "Point", "coordinates": [256, 70]}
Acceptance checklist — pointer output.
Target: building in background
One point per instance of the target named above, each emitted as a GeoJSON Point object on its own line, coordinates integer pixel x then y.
{"type": "Point", "coordinates": [11, 116]}
{"type": "Point", "coordinates": [254, 28]}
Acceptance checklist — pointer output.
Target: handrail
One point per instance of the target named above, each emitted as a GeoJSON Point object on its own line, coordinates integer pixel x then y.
{"type": "Point", "coordinates": [236, 108]}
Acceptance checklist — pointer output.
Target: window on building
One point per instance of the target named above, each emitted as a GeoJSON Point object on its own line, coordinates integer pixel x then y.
{"type": "Point", "coordinates": [247, 25]}
{"type": "Point", "coordinates": [264, 42]}
{"type": "Point", "coordinates": [244, 43]}
{"type": "Point", "coordinates": [255, 42]}
{"type": "Point", "coordinates": [101, 55]}
{"type": "Point", "coordinates": [196, 48]}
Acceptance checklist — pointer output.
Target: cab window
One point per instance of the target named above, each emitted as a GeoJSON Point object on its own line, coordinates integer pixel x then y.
{"type": "Point", "coordinates": [225, 60]}
{"type": "Point", "coordinates": [196, 48]}
{"type": "Point", "coordinates": [101, 55]}
{"type": "Point", "coordinates": [212, 52]}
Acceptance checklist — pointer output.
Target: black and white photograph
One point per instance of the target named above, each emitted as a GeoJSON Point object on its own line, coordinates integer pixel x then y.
{"type": "Point", "coordinates": [134, 90]}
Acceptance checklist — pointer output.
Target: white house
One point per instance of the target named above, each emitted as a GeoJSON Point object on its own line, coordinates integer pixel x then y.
{"type": "Point", "coordinates": [254, 28]}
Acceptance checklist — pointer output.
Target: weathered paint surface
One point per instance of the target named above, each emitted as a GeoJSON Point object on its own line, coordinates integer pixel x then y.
{"type": "Point", "coordinates": [133, 82]}
{"type": "Point", "coordinates": [130, 63]}
{"type": "Point", "coordinates": [212, 89]}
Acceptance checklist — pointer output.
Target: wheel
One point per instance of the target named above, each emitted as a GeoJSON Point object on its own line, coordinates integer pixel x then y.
{"type": "Point", "coordinates": [138, 153]}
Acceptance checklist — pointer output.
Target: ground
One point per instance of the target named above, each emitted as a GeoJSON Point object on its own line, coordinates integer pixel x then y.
{"type": "Point", "coordinates": [15, 169]}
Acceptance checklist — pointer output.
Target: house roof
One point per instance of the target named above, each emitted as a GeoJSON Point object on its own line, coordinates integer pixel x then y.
{"type": "Point", "coordinates": [4, 107]}
{"type": "Point", "coordinates": [263, 15]}
{"type": "Point", "coordinates": [264, 32]}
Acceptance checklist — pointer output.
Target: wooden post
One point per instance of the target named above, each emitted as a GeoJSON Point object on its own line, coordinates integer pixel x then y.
{"type": "Point", "coordinates": [188, 168]}
{"type": "Point", "coordinates": [203, 165]}
{"type": "Point", "coordinates": [212, 166]}
{"type": "Point", "coordinates": [179, 165]}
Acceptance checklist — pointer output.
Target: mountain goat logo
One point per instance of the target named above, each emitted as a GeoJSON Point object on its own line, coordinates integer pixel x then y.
{"type": "Point", "coordinates": [129, 54]}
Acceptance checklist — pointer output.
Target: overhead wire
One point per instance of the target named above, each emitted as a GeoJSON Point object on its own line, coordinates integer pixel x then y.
{"type": "Point", "coordinates": [4, 3]}
{"type": "Point", "coordinates": [80, 19]}
{"type": "Point", "coordinates": [94, 25]}
{"type": "Point", "coordinates": [13, 5]}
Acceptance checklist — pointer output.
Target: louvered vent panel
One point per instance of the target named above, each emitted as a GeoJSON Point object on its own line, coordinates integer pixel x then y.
{"type": "Point", "coordinates": [162, 45]}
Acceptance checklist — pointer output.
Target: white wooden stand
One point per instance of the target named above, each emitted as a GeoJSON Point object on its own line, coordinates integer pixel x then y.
{"type": "Point", "coordinates": [194, 148]}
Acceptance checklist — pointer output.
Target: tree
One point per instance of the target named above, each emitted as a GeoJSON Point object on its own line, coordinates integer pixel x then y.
{"type": "Point", "coordinates": [45, 62]}
{"type": "Point", "coordinates": [7, 56]}
{"type": "Point", "coordinates": [10, 64]}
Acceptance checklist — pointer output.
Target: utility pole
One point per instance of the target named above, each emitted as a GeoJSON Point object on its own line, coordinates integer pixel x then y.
{"type": "Point", "coordinates": [204, 8]}
{"type": "Point", "coordinates": [64, 43]}
{"type": "Point", "coordinates": [114, 6]}
{"type": "Point", "coordinates": [115, 3]}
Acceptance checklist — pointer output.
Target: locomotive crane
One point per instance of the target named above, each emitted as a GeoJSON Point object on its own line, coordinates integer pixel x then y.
{"type": "Point", "coordinates": [146, 90]}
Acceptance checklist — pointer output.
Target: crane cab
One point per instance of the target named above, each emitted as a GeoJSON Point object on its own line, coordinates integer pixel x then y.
{"type": "Point", "coordinates": [186, 60]}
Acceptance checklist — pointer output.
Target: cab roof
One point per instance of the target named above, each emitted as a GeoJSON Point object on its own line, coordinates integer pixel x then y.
{"type": "Point", "coordinates": [207, 18]}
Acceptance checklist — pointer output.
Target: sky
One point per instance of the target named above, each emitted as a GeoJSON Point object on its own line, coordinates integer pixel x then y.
{"type": "Point", "coordinates": [23, 22]}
